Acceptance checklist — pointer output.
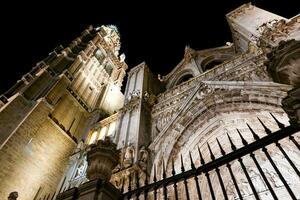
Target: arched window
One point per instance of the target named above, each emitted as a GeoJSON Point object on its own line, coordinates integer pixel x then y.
{"type": "Point", "coordinates": [184, 78]}
{"type": "Point", "coordinates": [108, 68]}
{"type": "Point", "coordinates": [212, 64]}
{"type": "Point", "coordinates": [93, 137]}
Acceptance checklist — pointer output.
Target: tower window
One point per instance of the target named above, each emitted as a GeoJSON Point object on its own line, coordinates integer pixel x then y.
{"type": "Point", "coordinates": [108, 68]}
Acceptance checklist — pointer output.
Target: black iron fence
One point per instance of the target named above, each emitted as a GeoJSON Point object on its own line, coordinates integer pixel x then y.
{"type": "Point", "coordinates": [167, 187]}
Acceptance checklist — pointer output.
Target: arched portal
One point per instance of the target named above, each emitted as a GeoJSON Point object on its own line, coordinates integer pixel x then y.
{"type": "Point", "coordinates": [212, 117]}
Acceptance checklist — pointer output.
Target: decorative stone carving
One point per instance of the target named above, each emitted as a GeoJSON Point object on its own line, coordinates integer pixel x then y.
{"type": "Point", "coordinates": [122, 57]}
{"type": "Point", "coordinates": [13, 196]}
{"type": "Point", "coordinates": [80, 172]}
{"type": "Point", "coordinates": [284, 63]}
{"type": "Point", "coordinates": [128, 157]}
{"type": "Point", "coordinates": [102, 158]}
{"type": "Point", "coordinates": [80, 146]}
{"type": "Point", "coordinates": [143, 157]}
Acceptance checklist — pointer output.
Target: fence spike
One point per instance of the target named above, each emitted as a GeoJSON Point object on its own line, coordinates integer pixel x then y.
{"type": "Point", "coordinates": [210, 151]}
{"type": "Point", "coordinates": [182, 166]}
{"type": "Point", "coordinates": [268, 131]}
{"type": "Point", "coordinates": [255, 136]}
{"type": "Point", "coordinates": [173, 168]}
{"type": "Point", "coordinates": [221, 148]}
{"type": "Point", "coordinates": [164, 169]}
{"type": "Point", "coordinates": [279, 124]}
{"type": "Point", "coordinates": [192, 162]}
{"type": "Point", "coordinates": [201, 157]}
{"type": "Point", "coordinates": [242, 138]}
{"type": "Point", "coordinates": [154, 176]}
{"type": "Point", "coordinates": [233, 147]}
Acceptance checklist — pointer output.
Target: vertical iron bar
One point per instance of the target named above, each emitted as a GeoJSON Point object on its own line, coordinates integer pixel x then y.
{"type": "Point", "coordinates": [264, 149]}
{"type": "Point", "coordinates": [184, 180]}
{"type": "Point", "coordinates": [154, 180]}
{"type": "Point", "coordinates": [207, 176]}
{"type": "Point", "coordinates": [129, 186]}
{"type": "Point", "coordinates": [287, 158]}
{"type": "Point", "coordinates": [234, 181]}
{"type": "Point", "coordinates": [195, 177]}
{"type": "Point", "coordinates": [165, 192]}
{"type": "Point", "coordinates": [230, 171]}
{"type": "Point", "coordinates": [248, 178]}
{"type": "Point", "coordinates": [146, 191]}
{"type": "Point", "coordinates": [174, 184]}
{"type": "Point", "coordinates": [245, 143]}
{"type": "Point", "coordinates": [137, 185]}
{"type": "Point", "coordinates": [294, 141]}
{"type": "Point", "coordinates": [252, 155]}
{"type": "Point", "coordinates": [218, 173]}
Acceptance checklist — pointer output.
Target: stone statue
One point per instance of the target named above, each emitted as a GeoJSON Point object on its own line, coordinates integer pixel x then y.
{"type": "Point", "coordinates": [128, 157]}
{"type": "Point", "coordinates": [122, 57]}
{"type": "Point", "coordinates": [13, 196]}
{"type": "Point", "coordinates": [143, 154]}
{"type": "Point", "coordinates": [80, 169]}
{"type": "Point", "coordinates": [143, 157]}
{"type": "Point", "coordinates": [80, 146]}
{"type": "Point", "coordinates": [146, 96]}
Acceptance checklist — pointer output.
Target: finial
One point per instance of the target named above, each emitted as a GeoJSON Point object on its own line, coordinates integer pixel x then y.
{"type": "Point", "coordinates": [255, 136]}
{"type": "Point", "coordinates": [192, 162]}
{"type": "Point", "coordinates": [201, 157]}
{"type": "Point", "coordinates": [233, 147]}
{"type": "Point", "coordinates": [242, 138]}
{"type": "Point", "coordinates": [173, 168]}
{"type": "Point", "coordinates": [212, 156]}
{"type": "Point", "coordinates": [154, 176]}
{"type": "Point", "coordinates": [268, 131]}
{"type": "Point", "coordinates": [182, 166]}
{"type": "Point", "coordinates": [221, 148]}
{"type": "Point", "coordinates": [279, 124]}
{"type": "Point", "coordinates": [164, 169]}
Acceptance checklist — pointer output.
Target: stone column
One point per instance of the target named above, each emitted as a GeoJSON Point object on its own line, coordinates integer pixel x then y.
{"type": "Point", "coordinates": [102, 158]}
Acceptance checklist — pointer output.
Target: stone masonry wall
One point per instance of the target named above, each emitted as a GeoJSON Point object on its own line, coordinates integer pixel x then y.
{"type": "Point", "coordinates": [35, 156]}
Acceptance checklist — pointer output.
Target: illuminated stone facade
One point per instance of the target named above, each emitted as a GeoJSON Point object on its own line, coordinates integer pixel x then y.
{"type": "Point", "coordinates": [75, 94]}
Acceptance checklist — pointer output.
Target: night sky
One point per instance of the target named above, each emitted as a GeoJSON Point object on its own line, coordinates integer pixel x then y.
{"type": "Point", "coordinates": [156, 33]}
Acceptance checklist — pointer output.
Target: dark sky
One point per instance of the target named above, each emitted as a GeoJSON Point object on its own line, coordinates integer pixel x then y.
{"type": "Point", "coordinates": [156, 33]}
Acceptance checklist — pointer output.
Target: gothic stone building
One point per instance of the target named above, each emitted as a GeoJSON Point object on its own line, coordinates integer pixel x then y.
{"type": "Point", "coordinates": [73, 98]}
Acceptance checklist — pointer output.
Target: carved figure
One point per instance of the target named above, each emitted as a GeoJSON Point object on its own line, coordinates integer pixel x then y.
{"type": "Point", "coordinates": [128, 157]}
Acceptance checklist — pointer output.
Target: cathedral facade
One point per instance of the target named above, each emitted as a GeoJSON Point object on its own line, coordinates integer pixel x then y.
{"type": "Point", "coordinates": [73, 98]}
